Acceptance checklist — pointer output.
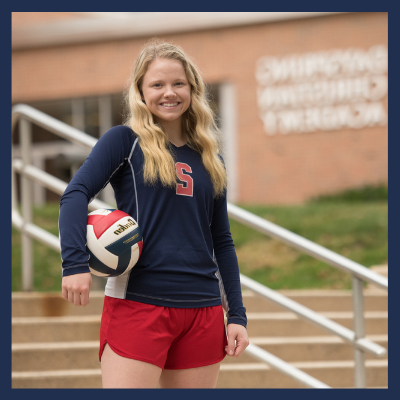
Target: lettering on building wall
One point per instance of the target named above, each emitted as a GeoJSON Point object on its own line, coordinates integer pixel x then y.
{"type": "Point", "coordinates": [323, 91]}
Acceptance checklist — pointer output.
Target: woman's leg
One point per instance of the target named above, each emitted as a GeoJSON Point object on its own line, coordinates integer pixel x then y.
{"type": "Point", "coordinates": [191, 378]}
{"type": "Point", "coordinates": [121, 372]}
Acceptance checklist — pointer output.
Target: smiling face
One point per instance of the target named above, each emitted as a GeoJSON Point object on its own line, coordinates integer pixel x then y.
{"type": "Point", "coordinates": [166, 90]}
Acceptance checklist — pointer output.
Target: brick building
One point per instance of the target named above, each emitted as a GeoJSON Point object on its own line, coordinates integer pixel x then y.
{"type": "Point", "coordinates": [301, 97]}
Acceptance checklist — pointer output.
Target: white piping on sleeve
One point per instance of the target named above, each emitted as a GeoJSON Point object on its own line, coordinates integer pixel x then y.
{"type": "Point", "coordinates": [134, 180]}
{"type": "Point", "coordinates": [224, 298]}
{"type": "Point", "coordinates": [119, 166]}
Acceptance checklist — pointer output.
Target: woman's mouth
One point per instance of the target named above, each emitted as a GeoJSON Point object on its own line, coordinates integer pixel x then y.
{"type": "Point", "coordinates": [169, 105]}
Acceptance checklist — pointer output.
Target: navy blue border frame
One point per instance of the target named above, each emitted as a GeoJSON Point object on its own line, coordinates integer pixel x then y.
{"type": "Point", "coordinates": [5, 160]}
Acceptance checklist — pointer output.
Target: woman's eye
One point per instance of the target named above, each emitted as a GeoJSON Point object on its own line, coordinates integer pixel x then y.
{"type": "Point", "coordinates": [157, 85]}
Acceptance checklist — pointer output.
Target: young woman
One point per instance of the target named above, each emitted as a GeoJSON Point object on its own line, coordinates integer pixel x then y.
{"type": "Point", "coordinates": [162, 323]}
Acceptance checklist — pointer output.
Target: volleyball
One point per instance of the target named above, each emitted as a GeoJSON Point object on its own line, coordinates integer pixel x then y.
{"type": "Point", "coordinates": [114, 242]}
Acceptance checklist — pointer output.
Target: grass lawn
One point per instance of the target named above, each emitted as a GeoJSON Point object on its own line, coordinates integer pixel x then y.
{"type": "Point", "coordinates": [357, 231]}
{"type": "Point", "coordinates": [350, 226]}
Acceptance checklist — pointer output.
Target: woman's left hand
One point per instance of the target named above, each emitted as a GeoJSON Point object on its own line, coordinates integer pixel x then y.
{"type": "Point", "coordinates": [238, 333]}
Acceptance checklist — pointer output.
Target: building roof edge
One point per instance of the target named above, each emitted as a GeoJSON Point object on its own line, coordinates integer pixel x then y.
{"type": "Point", "coordinates": [110, 26]}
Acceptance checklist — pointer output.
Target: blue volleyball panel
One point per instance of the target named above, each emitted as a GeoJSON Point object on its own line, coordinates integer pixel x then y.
{"type": "Point", "coordinates": [97, 265]}
{"type": "Point", "coordinates": [123, 261]}
{"type": "Point", "coordinates": [125, 243]}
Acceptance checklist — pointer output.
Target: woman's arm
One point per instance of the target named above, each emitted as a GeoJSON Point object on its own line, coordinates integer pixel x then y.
{"type": "Point", "coordinates": [225, 255]}
{"type": "Point", "coordinates": [224, 251]}
{"type": "Point", "coordinates": [106, 157]}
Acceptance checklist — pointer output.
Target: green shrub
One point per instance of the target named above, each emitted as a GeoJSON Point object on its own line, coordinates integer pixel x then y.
{"type": "Point", "coordinates": [363, 194]}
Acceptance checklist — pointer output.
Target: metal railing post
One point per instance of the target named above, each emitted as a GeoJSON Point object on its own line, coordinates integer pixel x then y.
{"type": "Point", "coordinates": [359, 330]}
{"type": "Point", "coordinates": [26, 201]}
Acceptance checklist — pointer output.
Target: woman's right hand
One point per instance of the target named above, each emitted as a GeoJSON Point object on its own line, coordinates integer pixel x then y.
{"type": "Point", "coordinates": [76, 288]}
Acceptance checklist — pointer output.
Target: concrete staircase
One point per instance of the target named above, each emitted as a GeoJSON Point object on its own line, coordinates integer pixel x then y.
{"type": "Point", "coordinates": [55, 344]}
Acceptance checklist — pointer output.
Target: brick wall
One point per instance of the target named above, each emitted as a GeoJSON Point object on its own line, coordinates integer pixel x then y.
{"type": "Point", "coordinates": [271, 169]}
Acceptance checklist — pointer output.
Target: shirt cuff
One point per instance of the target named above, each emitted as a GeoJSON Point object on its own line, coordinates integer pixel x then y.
{"type": "Point", "coordinates": [79, 269]}
{"type": "Point", "coordinates": [237, 320]}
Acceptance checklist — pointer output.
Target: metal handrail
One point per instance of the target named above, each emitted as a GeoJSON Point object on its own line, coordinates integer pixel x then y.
{"type": "Point", "coordinates": [311, 316]}
{"type": "Point", "coordinates": [306, 246]}
{"type": "Point", "coordinates": [53, 125]}
{"type": "Point", "coordinates": [358, 271]}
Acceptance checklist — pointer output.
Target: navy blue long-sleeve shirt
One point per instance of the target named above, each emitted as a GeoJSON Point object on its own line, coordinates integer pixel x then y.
{"type": "Point", "coordinates": [188, 258]}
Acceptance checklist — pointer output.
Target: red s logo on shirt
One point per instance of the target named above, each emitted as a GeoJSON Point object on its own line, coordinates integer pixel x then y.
{"type": "Point", "coordinates": [181, 189]}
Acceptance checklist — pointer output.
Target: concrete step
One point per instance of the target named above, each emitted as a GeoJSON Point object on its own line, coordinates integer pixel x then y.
{"type": "Point", "coordinates": [84, 355]}
{"type": "Point", "coordinates": [41, 304]}
{"type": "Point", "coordinates": [55, 329]}
{"type": "Point", "coordinates": [55, 356]}
{"type": "Point", "coordinates": [318, 300]}
{"type": "Point", "coordinates": [81, 328]}
{"type": "Point", "coordinates": [69, 379]}
{"type": "Point", "coordinates": [307, 348]}
{"type": "Point", "coordinates": [337, 374]}
{"type": "Point", "coordinates": [286, 323]}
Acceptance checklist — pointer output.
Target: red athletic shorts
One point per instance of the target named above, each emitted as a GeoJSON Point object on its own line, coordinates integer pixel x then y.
{"type": "Point", "coordinates": [171, 338]}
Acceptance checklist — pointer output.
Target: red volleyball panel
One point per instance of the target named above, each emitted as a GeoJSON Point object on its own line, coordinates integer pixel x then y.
{"type": "Point", "coordinates": [93, 219]}
{"type": "Point", "coordinates": [103, 224]}
{"type": "Point", "coordinates": [140, 245]}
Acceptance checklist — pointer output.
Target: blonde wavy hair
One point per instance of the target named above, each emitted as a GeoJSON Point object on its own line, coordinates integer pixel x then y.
{"type": "Point", "coordinates": [198, 124]}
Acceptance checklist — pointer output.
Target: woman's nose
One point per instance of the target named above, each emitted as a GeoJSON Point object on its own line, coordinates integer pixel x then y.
{"type": "Point", "coordinates": [169, 91]}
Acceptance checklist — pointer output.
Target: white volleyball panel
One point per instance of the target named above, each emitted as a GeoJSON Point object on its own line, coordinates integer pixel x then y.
{"type": "Point", "coordinates": [99, 251]}
{"type": "Point", "coordinates": [109, 236]}
{"type": "Point", "coordinates": [101, 211]}
{"type": "Point", "coordinates": [97, 273]}
{"type": "Point", "coordinates": [134, 256]}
